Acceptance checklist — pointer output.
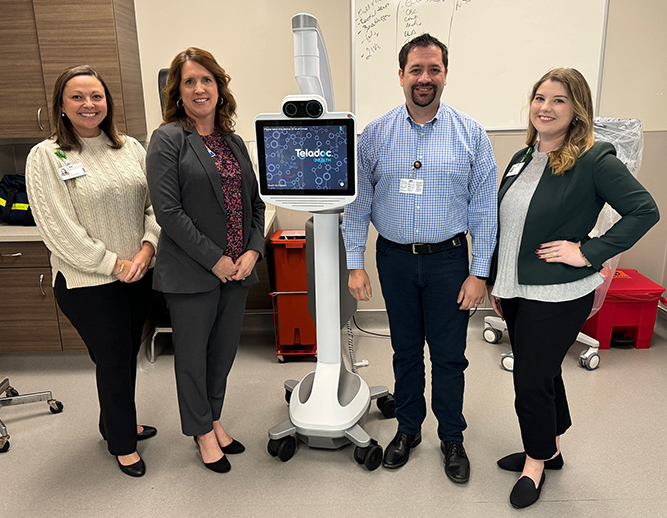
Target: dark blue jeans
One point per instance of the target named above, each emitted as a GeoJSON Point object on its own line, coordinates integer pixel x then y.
{"type": "Point", "coordinates": [420, 294]}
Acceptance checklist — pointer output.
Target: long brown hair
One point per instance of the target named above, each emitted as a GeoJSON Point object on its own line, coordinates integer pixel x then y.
{"type": "Point", "coordinates": [579, 138]}
{"type": "Point", "coordinates": [224, 113]}
{"type": "Point", "coordinates": [63, 130]}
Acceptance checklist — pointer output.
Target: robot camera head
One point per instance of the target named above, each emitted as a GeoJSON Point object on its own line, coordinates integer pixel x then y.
{"type": "Point", "coordinates": [304, 106]}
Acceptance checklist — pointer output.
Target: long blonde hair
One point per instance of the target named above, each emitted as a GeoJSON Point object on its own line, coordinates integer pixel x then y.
{"type": "Point", "coordinates": [579, 138]}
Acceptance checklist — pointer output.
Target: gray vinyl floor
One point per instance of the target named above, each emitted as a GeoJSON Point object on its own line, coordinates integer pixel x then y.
{"type": "Point", "coordinates": [58, 465]}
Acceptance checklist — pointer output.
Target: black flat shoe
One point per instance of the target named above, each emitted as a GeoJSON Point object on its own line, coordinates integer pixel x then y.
{"type": "Point", "coordinates": [524, 493]}
{"type": "Point", "coordinates": [221, 465]}
{"type": "Point", "coordinates": [147, 433]}
{"type": "Point", "coordinates": [398, 450]}
{"type": "Point", "coordinates": [516, 461]}
{"type": "Point", "coordinates": [233, 448]}
{"type": "Point", "coordinates": [138, 469]}
{"type": "Point", "coordinates": [457, 465]}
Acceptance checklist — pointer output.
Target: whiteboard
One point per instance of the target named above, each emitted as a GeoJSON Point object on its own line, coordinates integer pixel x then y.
{"type": "Point", "coordinates": [497, 50]}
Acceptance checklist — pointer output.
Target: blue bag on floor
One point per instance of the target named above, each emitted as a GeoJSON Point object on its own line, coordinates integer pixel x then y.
{"type": "Point", "coordinates": [14, 206]}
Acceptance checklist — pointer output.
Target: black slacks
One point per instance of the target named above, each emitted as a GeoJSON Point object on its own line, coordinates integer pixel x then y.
{"type": "Point", "coordinates": [206, 331]}
{"type": "Point", "coordinates": [109, 319]}
{"type": "Point", "coordinates": [541, 334]}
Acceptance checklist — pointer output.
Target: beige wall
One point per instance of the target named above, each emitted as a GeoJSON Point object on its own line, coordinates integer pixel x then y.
{"type": "Point", "coordinates": [258, 57]}
{"type": "Point", "coordinates": [252, 41]}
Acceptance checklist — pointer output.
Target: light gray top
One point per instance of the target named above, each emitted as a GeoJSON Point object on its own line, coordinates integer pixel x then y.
{"type": "Point", "coordinates": [513, 211]}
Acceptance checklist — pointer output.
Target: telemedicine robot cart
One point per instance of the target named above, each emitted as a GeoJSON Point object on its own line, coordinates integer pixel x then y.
{"type": "Point", "coordinates": [307, 161]}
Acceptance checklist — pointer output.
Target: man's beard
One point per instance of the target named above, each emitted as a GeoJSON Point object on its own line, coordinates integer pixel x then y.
{"type": "Point", "coordinates": [428, 100]}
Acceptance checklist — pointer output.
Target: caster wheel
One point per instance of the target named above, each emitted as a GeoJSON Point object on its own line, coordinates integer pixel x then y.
{"type": "Point", "coordinates": [281, 358]}
{"type": "Point", "coordinates": [507, 361]}
{"type": "Point", "coordinates": [5, 448]}
{"type": "Point", "coordinates": [360, 454]}
{"type": "Point", "coordinates": [12, 392]}
{"type": "Point", "coordinates": [286, 448]}
{"type": "Point", "coordinates": [387, 405]}
{"type": "Point", "coordinates": [273, 447]}
{"type": "Point", "coordinates": [373, 457]}
{"type": "Point", "coordinates": [492, 335]}
{"type": "Point", "coordinates": [56, 407]}
{"type": "Point", "coordinates": [288, 395]}
{"type": "Point", "coordinates": [589, 360]}
{"type": "Point", "coordinates": [370, 456]}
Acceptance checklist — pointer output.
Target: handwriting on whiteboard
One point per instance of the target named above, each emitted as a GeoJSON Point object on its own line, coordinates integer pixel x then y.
{"type": "Point", "coordinates": [378, 16]}
{"type": "Point", "coordinates": [369, 20]}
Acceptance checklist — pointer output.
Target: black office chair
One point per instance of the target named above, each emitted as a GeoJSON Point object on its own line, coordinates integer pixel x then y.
{"type": "Point", "coordinates": [12, 397]}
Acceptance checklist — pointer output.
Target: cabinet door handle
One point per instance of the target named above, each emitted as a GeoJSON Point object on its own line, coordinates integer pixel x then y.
{"type": "Point", "coordinates": [39, 118]}
{"type": "Point", "coordinates": [41, 284]}
{"type": "Point", "coordinates": [17, 254]}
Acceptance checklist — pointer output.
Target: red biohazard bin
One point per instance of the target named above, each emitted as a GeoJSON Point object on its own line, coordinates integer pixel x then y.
{"type": "Point", "coordinates": [294, 327]}
{"type": "Point", "coordinates": [629, 308]}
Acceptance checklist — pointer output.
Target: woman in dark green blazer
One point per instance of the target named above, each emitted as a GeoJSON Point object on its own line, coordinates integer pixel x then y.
{"type": "Point", "coordinates": [546, 267]}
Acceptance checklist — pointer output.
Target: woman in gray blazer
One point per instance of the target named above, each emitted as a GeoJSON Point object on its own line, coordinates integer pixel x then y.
{"type": "Point", "coordinates": [546, 268]}
{"type": "Point", "coordinates": [206, 200]}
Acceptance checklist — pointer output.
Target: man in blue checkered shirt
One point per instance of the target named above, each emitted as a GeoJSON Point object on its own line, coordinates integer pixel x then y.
{"type": "Point", "coordinates": [427, 176]}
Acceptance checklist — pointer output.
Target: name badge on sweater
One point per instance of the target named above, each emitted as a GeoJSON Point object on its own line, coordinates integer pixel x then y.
{"type": "Point", "coordinates": [71, 171]}
{"type": "Point", "coordinates": [411, 186]}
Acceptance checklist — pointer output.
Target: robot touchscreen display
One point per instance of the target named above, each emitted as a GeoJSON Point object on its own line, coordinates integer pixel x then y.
{"type": "Point", "coordinates": [306, 157]}
{"type": "Point", "coordinates": [315, 157]}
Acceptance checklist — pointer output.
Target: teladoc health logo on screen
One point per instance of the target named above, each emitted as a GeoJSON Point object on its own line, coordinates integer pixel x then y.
{"type": "Point", "coordinates": [318, 155]}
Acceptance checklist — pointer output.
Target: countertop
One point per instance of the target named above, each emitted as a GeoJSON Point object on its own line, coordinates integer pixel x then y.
{"type": "Point", "coordinates": [15, 233]}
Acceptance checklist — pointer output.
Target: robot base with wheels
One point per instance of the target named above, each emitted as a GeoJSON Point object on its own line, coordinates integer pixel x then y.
{"type": "Point", "coordinates": [328, 406]}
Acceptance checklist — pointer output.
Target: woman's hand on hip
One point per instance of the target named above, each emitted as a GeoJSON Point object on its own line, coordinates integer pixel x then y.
{"type": "Point", "coordinates": [245, 264]}
{"type": "Point", "coordinates": [565, 252]}
{"type": "Point", "coordinates": [225, 269]}
{"type": "Point", "coordinates": [140, 263]}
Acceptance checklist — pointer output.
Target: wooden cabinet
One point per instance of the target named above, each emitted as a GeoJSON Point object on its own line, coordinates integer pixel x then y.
{"type": "Point", "coordinates": [23, 100]}
{"type": "Point", "coordinates": [29, 318]}
{"type": "Point", "coordinates": [39, 39]}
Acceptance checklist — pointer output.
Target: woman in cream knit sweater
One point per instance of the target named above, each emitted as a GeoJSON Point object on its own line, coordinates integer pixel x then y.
{"type": "Point", "coordinates": [88, 192]}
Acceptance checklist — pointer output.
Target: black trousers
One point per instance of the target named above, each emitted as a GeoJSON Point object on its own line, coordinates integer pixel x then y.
{"type": "Point", "coordinates": [109, 319]}
{"type": "Point", "coordinates": [206, 331]}
{"type": "Point", "coordinates": [541, 334]}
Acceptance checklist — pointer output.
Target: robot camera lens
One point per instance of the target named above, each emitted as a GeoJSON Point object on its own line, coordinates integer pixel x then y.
{"type": "Point", "coordinates": [314, 109]}
{"type": "Point", "coordinates": [290, 109]}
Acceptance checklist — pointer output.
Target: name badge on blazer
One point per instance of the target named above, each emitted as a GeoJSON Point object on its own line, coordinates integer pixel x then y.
{"type": "Point", "coordinates": [514, 170]}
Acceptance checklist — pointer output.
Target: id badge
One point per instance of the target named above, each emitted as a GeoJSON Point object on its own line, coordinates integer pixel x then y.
{"type": "Point", "coordinates": [411, 186]}
{"type": "Point", "coordinates": [514, 170]}
{"type": "Point", "coordinates": [71, 171]}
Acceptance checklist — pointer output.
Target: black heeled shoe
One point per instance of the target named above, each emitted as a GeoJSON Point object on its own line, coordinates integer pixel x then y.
{"type": "Point", "coordinates": [233, 448]}
{"type": "Point", "coordinates": [147, 433]}
{"type": "Point", "coordinates": [524, 493]}
{"type": "Point", "coordinates": [221, 465]}
{"type": "Point", "coordinates": [516, 461]}
{"type": "Point", "coordinates": [138, 469]}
